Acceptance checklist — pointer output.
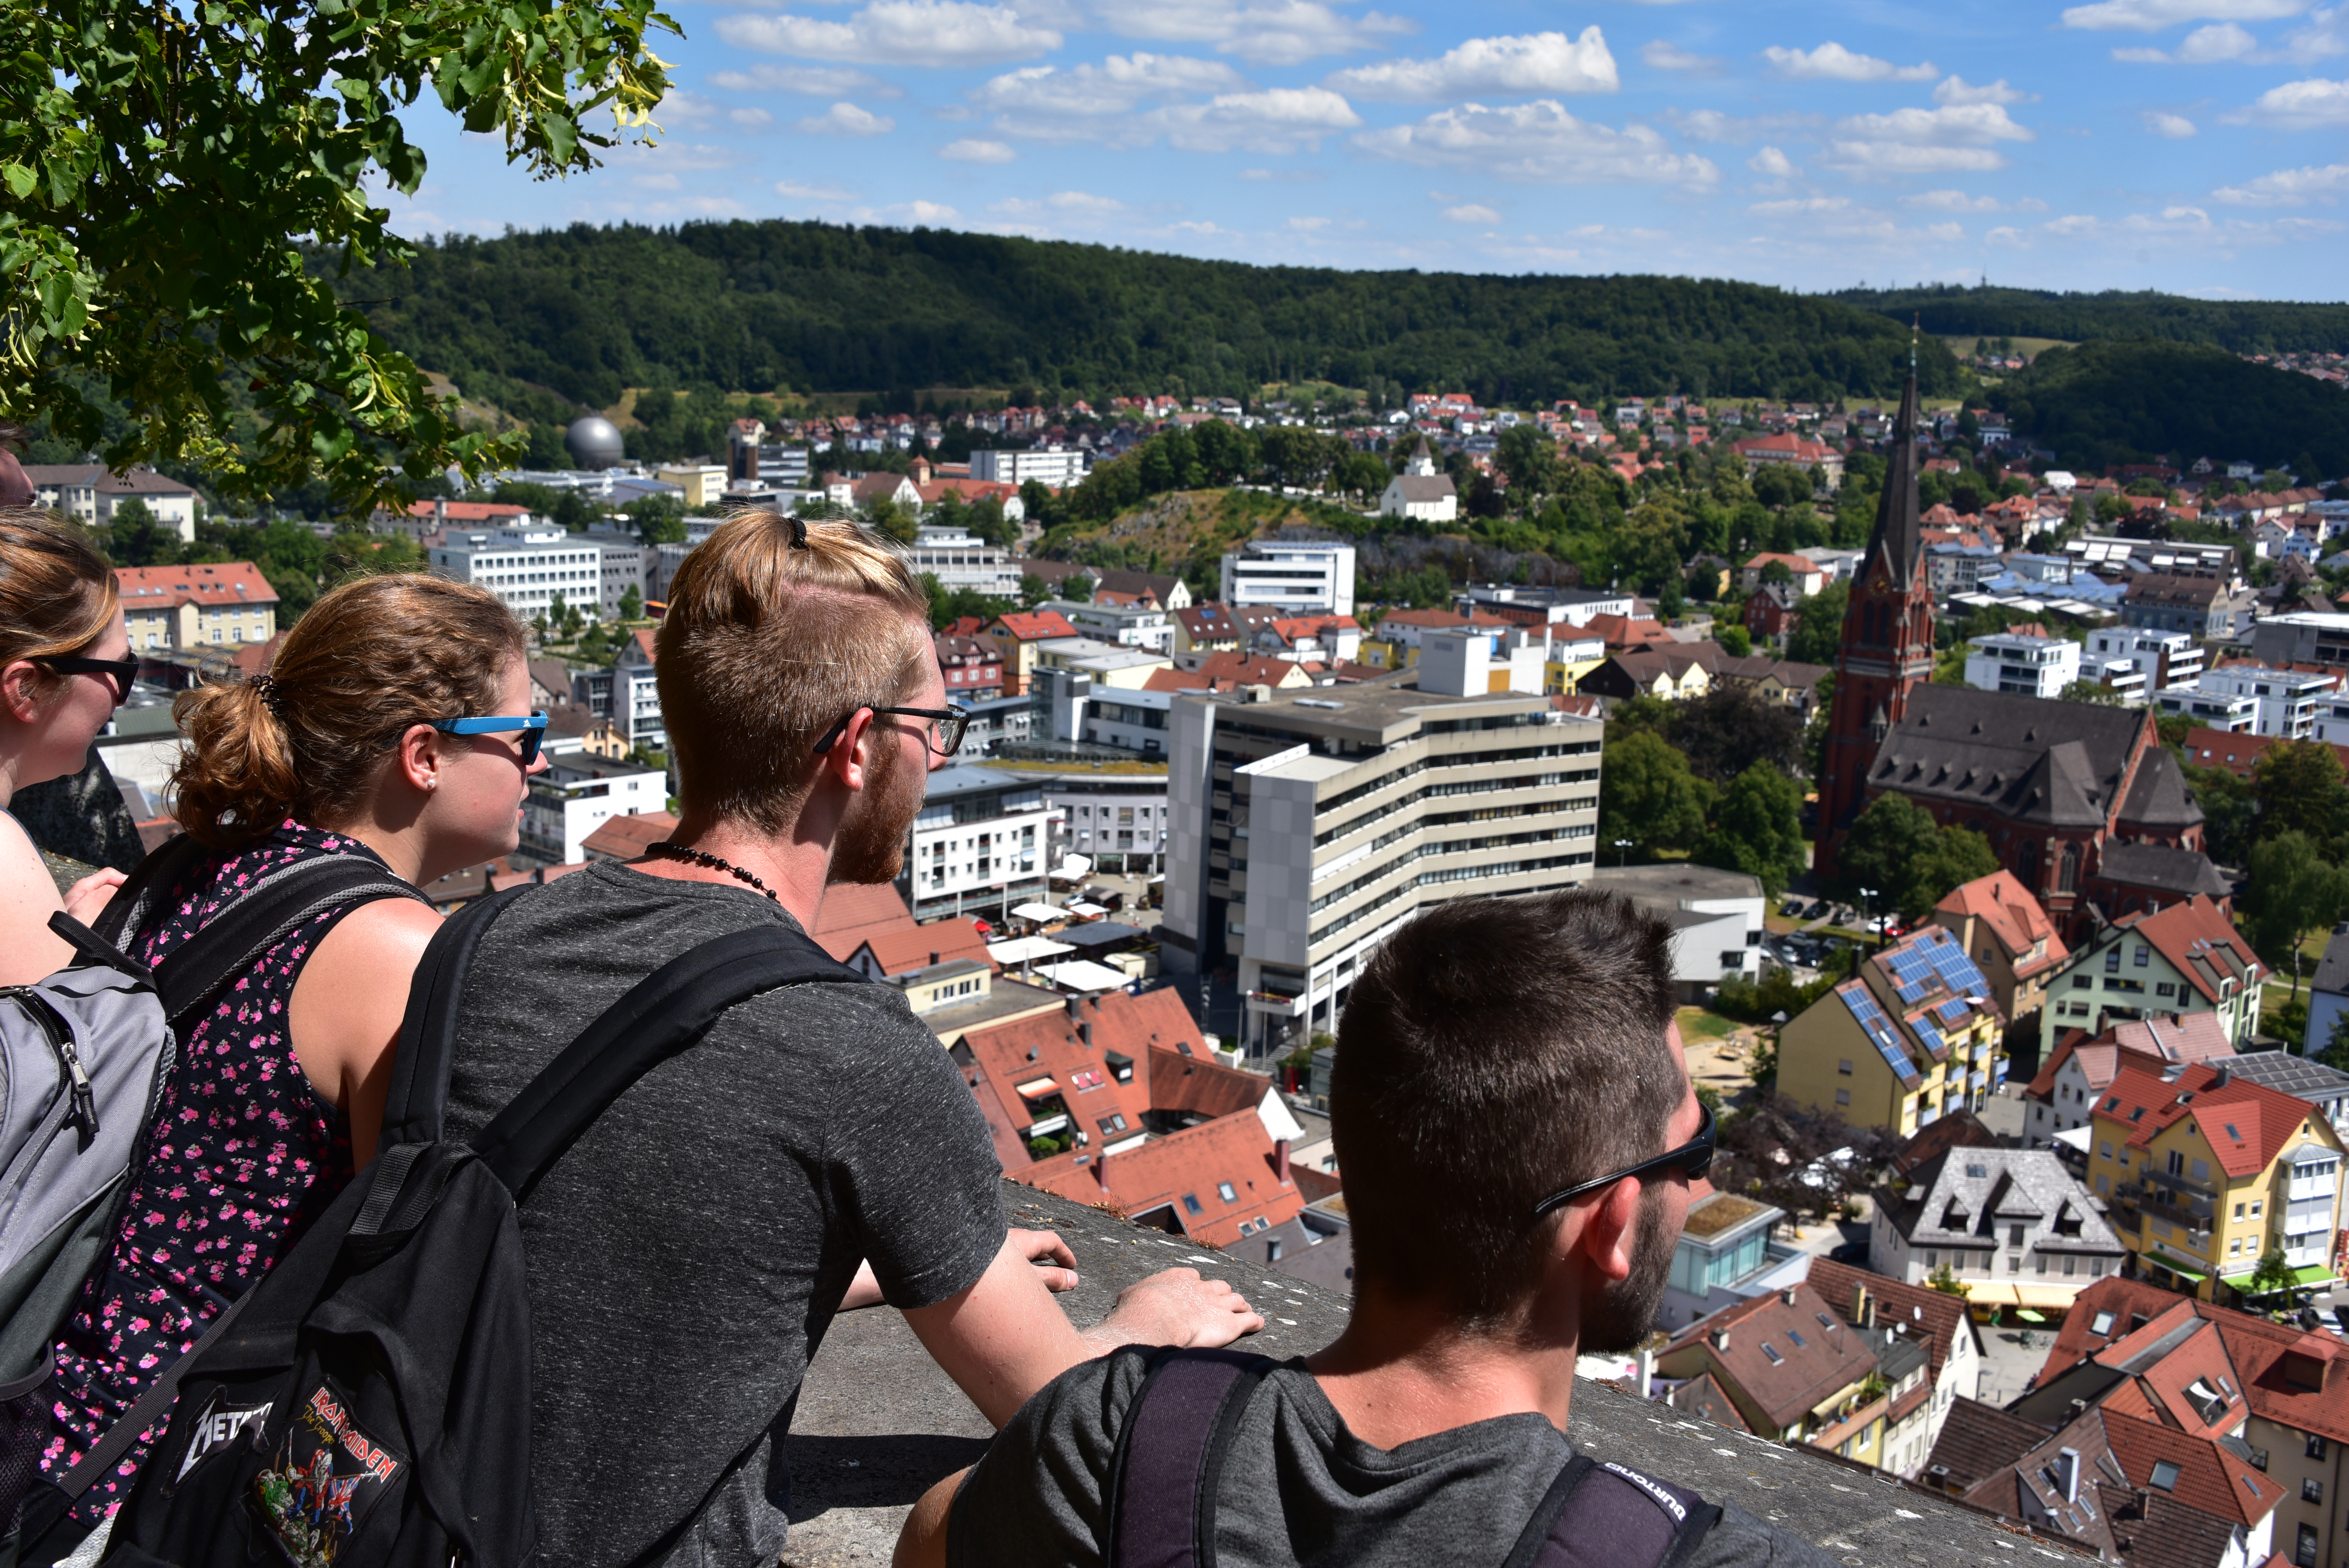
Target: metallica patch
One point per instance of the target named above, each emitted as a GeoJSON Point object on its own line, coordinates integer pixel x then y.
{"type": "Point", "coordinates": [214, 1429]}
{"type": "Point", "coordinates": [327, 1476]}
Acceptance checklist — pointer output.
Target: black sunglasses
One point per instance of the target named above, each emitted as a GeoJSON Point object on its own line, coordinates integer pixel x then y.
{"type": "Point", "coordinates": [1691, 1159]}
{"type": "Point", "coordinates": [952, 723]}
{"type": "Point", "coordinates": [121, 672]}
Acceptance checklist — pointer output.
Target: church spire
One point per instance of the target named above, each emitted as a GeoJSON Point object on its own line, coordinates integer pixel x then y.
{"type": "Point", "coordinates": [1895, 543]}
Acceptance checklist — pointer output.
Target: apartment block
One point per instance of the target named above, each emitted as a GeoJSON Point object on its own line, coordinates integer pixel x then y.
{"type": "Point", "coordinates": [1053, 466]}
{"type": "Point", "coordinates": [978, 845]}
{"type": "Point", "coordinates": [197, 607]}
{"type": "Point", "coordinates": [1294, 577]}
{"type": "Point", "coordinates": [526, 568]}
{"type": "Point", "coordinates": [1305, 826]}
{"type": "Point", "coordinates": [578, 793]}
{"type": "Point", "coordinates": [949, 552]}
{"type": "Point", "coordinates": [2012, 662]}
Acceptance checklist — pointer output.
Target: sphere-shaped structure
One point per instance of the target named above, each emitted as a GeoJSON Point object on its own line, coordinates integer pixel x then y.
{"type": "Point", "coordinates": [595, 443]}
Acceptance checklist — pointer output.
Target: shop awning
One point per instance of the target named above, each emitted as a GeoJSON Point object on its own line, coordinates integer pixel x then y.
{"type": "Point", "coordinates": [2163, 1259]}
{"type": "Point", "coordinates": [2028, 1315]}
{"type": "Point", "coordinates": [1988, 1294]}
{"type": "Point", "coordinates": [2047, 1297]}
{"type": "Point", "coordinates": [2314, 1273]}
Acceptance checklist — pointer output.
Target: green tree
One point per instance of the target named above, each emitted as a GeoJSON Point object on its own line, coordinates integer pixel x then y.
{"type": "Point", "coordinates": [134, 536]}
{"type": "Point", "coordinates": [659, 519]}
{"type": "Point", "coordinates": [169, 181]}
{"type": "Point", "coordinates": [2293, 893]}
{"type": "Point", "coordinates": [1819, 631]}
{"type": "Point", "coordinates": [1757, 829]}
{"type": "Point", "coordinates": [1647, 795]}
{"type": "Point", "coordinates": [2274, 1275]}
{"type": "Point", "coordinates": [2297, 785]}
{"type": "Point", "coordinates": [1734, 639]}
{"type": "Point", "coordinates": [632, 604]}
{"type": "Point", "coordinates": [1945, 1280]}
{"type": "Point", "coordinates": [1909, 861]}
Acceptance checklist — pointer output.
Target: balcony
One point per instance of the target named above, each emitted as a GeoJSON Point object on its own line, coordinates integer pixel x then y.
{"type": "Point", "coordinates": [2194, 1216]}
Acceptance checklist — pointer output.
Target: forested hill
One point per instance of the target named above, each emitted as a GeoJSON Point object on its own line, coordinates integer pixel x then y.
{"type": "Point", "coordinates": [2241, 327]}
{"type": "Point", "coordinates": [814, 307]}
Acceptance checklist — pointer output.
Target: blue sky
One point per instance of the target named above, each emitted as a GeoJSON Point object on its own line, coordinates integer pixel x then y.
{"type": "Point", "coordinates": [2198, 146]}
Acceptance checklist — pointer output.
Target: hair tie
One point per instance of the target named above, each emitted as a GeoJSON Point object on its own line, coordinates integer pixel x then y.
{"type": "Point", "coordinates": [268, 686]}
{"type": "Point", "coordinates": [799, 530]}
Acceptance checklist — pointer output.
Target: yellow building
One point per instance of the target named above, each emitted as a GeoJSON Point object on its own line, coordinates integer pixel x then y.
{"type": "Point", "coordinates": [226, 604]}
{"type": "Point", "coordinates": [1914, 1037]}
{"type": "Point", "coordinates": [2208, 1171]}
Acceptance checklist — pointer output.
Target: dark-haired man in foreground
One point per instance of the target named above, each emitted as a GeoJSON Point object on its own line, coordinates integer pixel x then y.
{"type": "Point", "coordinates": [1521, 1144]}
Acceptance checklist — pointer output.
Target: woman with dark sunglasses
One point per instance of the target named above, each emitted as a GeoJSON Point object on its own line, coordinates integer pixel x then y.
{"type": "Point", "coordinates": [393, 724]}
{"type": "Point", "coordinates": [64, 664]}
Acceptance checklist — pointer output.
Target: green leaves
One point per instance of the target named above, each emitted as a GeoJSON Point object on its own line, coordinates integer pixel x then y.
{"type": "Point", "coordinates": [174, 185]}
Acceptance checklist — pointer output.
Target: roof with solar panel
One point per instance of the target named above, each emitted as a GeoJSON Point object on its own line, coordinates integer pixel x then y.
{"type": "Point", "coordinates": [1940, 992]}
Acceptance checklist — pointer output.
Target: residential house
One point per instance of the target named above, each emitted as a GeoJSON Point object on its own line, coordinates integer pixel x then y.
{"type": "Point", "coordinates": [2207, 1172]}
{"type": "Point", "coordinates": [636, 711]}
{"type": "Point", "coordinates": [1915, 1035]}
{"type": "Point", "coordinates": [1403, 629]}
{"type": "Point", "coordinates": [2324, 1088]}
{"type": "Point", "coordinates": [1129, 624]}
{"type": "Point", "coordinates": [2031, 665]}
{"type": "Point", "coordinates": [2186, 958]}
{"type": "Point", "coordinates": [973, 669]}
{"type": "Point", "coordinates": [89, 494]}
{"type": "Point", "coordinates": [224, 605]}
{"type": "Point", "coordinates": [867, 927]}
{"type": "Point", "coordinates": [1804, 575]}
{"type": "Point", "coordinates": [2070, 1082]}
{"type": "Point", "coordinates": [1791, 450]}
{"type": "Point", "coordinates": [571, 728]}
{"type": "Point", "coordinates": [1795, 1371]}
{"type": "Point", "coordinates": [2201, 607]}
{"type": "Point", "coordinates": [2285, 701]}
{"type": "Point", "coordinates": [1229, 672]}
{"type": "Point", "coordinates": [1206, 628]}
{"type": "Point", "coordinates": [2013, 943]}
{"type": "Point", "coordinates": [2328, 994]}
{"type": "Point", "coordinates": [627, 838]}
{"type": "Point", "coordinates": [1674, 672]}
{"type": "Point", "coordinates": [2010, 1223]}
{"type": "Point", "coordinates": [1939, 1322]}
{"type": "Point", "coordinates": [977, 844]}
{"type": "Point", "coordinates": [1017, 635]}
{"type": "Point", "coordinates": [1772, 611]}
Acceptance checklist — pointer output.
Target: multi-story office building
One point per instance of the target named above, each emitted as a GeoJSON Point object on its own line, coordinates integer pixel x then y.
{"type": "Point", "coordinates": [948, 553]}
{"type": "Point", "coordinates": [623, 559]}
{"type": "Point", "coordinates": [1295, 577]}
{"type": "Point", "coordinates": [578, 793]}
{"type": "Point", "coordinates": [979, 844]}
{"type": "Point", "coordinates": [1306, 827]}
{"type": "Point", "coordinates": [526, 567]}
{"type": "Point", "coordinates": [2011, 661]}
{"type": "Point", "coordinates": [1055, 467]}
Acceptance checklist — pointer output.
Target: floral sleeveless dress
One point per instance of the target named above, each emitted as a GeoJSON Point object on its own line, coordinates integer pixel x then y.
{"type": "Point", "coordinates": [245, 1154]}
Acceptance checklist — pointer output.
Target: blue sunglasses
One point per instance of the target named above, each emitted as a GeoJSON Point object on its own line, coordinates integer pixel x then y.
{"type": "Point", "coordinates": [532, 728]}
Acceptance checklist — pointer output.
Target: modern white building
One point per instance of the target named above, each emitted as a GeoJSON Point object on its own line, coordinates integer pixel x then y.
{"type": "Point", "coordinates": [1295, 577]}
{"type": "Point", "coordinates": [1116, 820]}
{"type": "Point", "coordinates": [2332, 723]}
{"type": "Point", "coordinates": [578, 793]}
{"type": "Point", "coordinates": [1309, 822]}
{"type": "Point", "coordinates": [1056, 468]}
{"type": "Point", "coordinates": [1421, 492]}
{"type": "Point", "coordinates": [1716, 918]}
{"type": "Point", "coordinates": [1127, 625]}
{"type": "Point", "coordinates": [2155, 660]}
{"type": "Point", "coordinates": [960, 562]}
{"type": "Point", "coordinates": [2033, 666]}
{"type": "Point", "coordinates": [527, 567]}
{"type": "Point", "coordinates": [2286, 700]}
{"type": "Point", "coordinates": [2211, 710]}
{"type": "Point", "coordinates": [636, 704]}
{"type": "Point", "coordinates": [981, 845]}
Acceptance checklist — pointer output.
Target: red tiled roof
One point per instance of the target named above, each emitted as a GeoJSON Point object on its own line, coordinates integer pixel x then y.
{"type": "Point", "coordinates": [2237, 753]}
{"type": "Point", "coordinates": [2005, 906]}
{"type": "Point", "coordinates": [626, 837]}
{"type": "Point", "coordinates": [2263, 1122]}
{"type": "Point", "coordinates": [900, 950]}
{"type": "Point", "coordinates": [1180, 1169]}
{"type": "Point", "coordinates": [214, 587]}
{"type": "Point", "coordinates": [2209, 1477]}
{"type": "Point", "coordinates": [1935, 1316]}
{"type": "Point", "coordinates": [1033, 625]}
{"type": "Point", "coordinates": [466, 511]}
{"type": "Point", "coordinates": [1801, 1374]}
{"type": "Point", "coordinates": [2200, 942]}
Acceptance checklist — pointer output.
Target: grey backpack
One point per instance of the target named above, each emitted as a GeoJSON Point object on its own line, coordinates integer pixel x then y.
{"type": "Point", "coordinates": [84, 1054]}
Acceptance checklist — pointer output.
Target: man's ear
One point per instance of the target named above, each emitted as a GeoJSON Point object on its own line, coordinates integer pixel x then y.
{"type": "Point", "coordinates": [849, 757]}
{"type": "Point", "coordinates": [1603, 1243]}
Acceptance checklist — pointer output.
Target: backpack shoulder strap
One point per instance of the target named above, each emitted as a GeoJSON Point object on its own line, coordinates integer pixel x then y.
{"type": "Point", "coordinates": [662, 1014]}
{"type": "Point", "coordinates": [1160, 1506]}
{"type": "Point", "coordinates": [1603, 1515]}
{"type": "Point", "coordinates": [148, 886]}
{"type": "Point", "coordinates": [416, 1100]}
{"type": "Point", "coordinates": [192, 978]}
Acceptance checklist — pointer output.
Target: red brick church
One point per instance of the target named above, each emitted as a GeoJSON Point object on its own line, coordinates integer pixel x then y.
{"type": "Point", "coordinates": [2081, 801]}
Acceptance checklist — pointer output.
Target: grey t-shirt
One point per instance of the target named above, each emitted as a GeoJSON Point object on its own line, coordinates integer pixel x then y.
{"type": "Point", "coordinates": [1298, 1490]}
{"type": "Point", "coordinates": [687, 1253]}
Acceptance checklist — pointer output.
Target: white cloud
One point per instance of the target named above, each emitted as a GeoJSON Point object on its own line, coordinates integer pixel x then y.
{"type": "Point", "coordinates": [680, 157]}
{"type": "Point", "coordinates": [2203, 47]}
{"type": "Point", "coordinates": [1831, 62]}
{"type": "Point", "coordinates": [926, 212]}
{"type": "Point", "coordinates": [2176, 127]}
{"type": "Point", "coordinates": [1538, 141]}
{"type": "Point", "coordinates": [1538, 63]}
{"type": "Point", "coordinates": [810, 81]}
{"type": "Point", "coordinates": [1669, 56]}
{"type": "Point", "coordinates": [1711, 125]}
{"type": "Point", "coordinates": [2301, 106]}
{"type": "Point", "coordinates": [1282, 176]}
{"type": "Point", "coordinates": [2152, 16]}
{"type": "Point", "coordinates": [2289, 188]}
{"type": "Point", "coordinates": [1959, 201]}
{"type": "Point", "coordinates": [1954, 138]}
{"type": "Point", "coordinates": [2173, 228]}
{"type": "Point", "coordinates": [1272, 32]}
{"type": "Point", "coordinates": [970, 149]}
{"type": "Point", "coordinates": [1772, 162]}
{"type": "Point", "coordinates": [1278, 120]}
{"type": "Point", "coordinates": [1472, 214]}
{"type": "Point", "coordinates": [803, 192]}
{"type": "Point", "coordinates": [2326, 35]}
{"type": "Point", "coordinates": [1958, 90]}
{"type": "Point", "coordinates": [1097, 103]}
{"type": "Point", "coordinates": [1309, 225]}
{"type": "Point", "coordinates": [847, 119]}
{"type": "Point", "coordinates": [1797, 205]}
{"type": "Point", "coordinates": [897, 33]}
{"type": "Point", "coordinates": [1066, 204]}
{"type": "Point", "coordinates": [695, 112]}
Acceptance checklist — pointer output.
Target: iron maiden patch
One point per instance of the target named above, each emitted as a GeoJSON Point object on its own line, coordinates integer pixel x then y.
{"type": "Point", "coordinates": [215, 1430]}
{"type": "Point", "coordinates": [327, 1475]}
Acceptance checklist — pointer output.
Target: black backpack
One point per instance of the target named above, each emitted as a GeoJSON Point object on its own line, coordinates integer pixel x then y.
{"type": "Point", "coordinates": [1170, 1457]}
{"type": "Point", "coordinates": [369, 1402]}
{"type": "Point", "coordinates": [84, 1053]}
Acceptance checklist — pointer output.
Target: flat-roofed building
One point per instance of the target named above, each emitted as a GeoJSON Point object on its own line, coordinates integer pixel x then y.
{"type": "Point", "coordinates": [1294, 576]}
{"type": "Point", "coordinates": [1306, 828]}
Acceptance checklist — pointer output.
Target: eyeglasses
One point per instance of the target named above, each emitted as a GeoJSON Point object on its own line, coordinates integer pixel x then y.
{"type": "Point", "coordinates": [1691, 1159]}
{"type": "Point", "coordinates": [532, 726]}
{"type": "Point", "coordinates": [121, 672]}
{"type": "Point", "coordinates": [951, 722]}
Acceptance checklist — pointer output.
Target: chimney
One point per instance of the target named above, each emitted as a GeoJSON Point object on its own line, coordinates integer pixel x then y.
{"type": "Point", "coordinates": [1280, 1159]}
{"type": "Point", "coordinates": [1863, 1305]}
{"type": "Point", "coordinates": [1721, 1338]}
{"type": "Point", "coordinates": [1788, 1296]}
{"type": "Point", "coordinates": [1085, 1036]}
{"type": "Point", "coordinates": [1073, 1003]}
{"type": "Point", "coordinates": [2068, 1474]}
{"type": "Point", "coordinates": [1101, 1169]}
{"type": "Point", "coordinates": [2218, 1077]}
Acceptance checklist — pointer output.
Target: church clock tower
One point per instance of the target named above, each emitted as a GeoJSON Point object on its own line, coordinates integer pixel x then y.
{"type": "Point", "coordinates": [1888, 641]}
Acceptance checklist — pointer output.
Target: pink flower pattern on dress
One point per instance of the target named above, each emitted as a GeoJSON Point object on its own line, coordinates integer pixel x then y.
{"type": "Point", "coordinates": [244, 1154]}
